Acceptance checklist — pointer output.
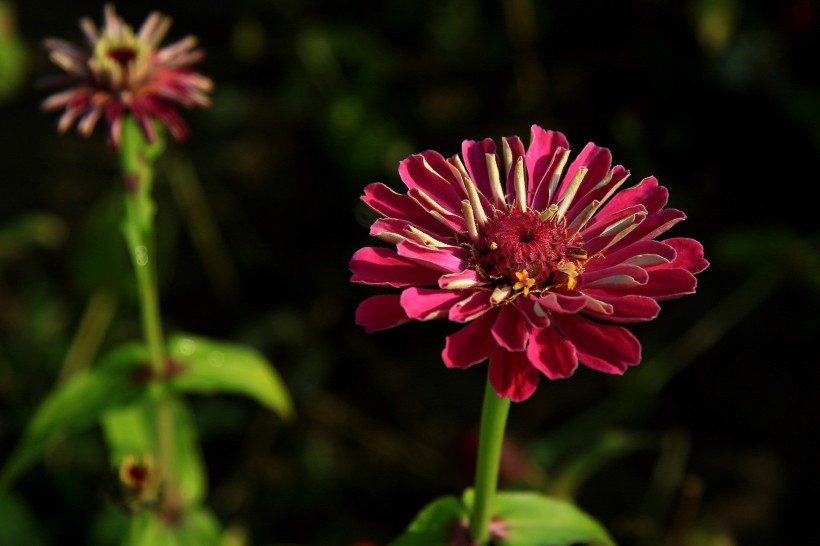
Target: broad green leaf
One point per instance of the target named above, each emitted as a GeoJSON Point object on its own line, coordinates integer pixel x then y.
{"type": "Point", "coordinates": [537, 520]}
{"type": "Point", "coordinates": [130, 430]}
{"type": "Point", "coordinates": [434, 525]}
{"type": "Point", "coordinates": [218, 367]}
{"type": "Point", "coordinates": [198, 527]}
{"type": "Point", "coordinates": [77, 405]}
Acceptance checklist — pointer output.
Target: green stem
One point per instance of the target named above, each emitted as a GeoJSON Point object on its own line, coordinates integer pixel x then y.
{"type": "Point", "coordinates": [490, 440]}
{"type": "Point", "coordinates": [136, 158]}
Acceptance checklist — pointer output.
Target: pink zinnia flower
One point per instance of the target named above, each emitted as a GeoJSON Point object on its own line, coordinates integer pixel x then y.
{"type": "Point", "coordinates": [541, 266]}
{"type": "Point", "coordinates": [120, 71]}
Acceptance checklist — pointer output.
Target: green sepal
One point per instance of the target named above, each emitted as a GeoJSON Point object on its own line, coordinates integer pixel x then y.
{"type": "Point", "coordinates": [79, 404]}
{"type": "Point", "coordinates": [210, 366]}
{"type": "Point", "coordinates": [130, 431]}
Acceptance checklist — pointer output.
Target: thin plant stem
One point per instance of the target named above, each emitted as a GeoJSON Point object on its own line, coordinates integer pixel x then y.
{"type": "Point", "coordinates": [136, 160]}
{"type": "Point", "coordinates": [490, 441]}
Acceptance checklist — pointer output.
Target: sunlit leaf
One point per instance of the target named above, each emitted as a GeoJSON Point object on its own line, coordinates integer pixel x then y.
{"type": "Point", "coordinates": [532, 519]}
{"type": "Point", "coordinates": [79, 404]}
{"type": "Point", "coordinates": [218, 367]}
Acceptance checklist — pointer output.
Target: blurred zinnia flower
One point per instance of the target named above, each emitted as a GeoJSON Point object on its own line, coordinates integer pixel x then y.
{"type": "Point", "coordinates": [121, 72]}
{"type": "Point", "coordinates": [541, 267]}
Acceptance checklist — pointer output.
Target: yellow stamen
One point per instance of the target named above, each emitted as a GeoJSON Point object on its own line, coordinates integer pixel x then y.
{"type": "Point", "coordinates": [524, 281]}
{"type": "Point", "coordinates": [571, 271]}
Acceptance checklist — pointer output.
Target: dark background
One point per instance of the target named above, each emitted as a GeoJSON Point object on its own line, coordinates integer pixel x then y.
{"type": "Point", "coordinates": [713, 440]}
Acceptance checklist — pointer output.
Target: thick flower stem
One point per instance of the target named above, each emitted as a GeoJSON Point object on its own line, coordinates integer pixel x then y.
{"type": "Point", "coordinates": [136, 163]}
{"type": "Point", "coordinates": [491, 438]}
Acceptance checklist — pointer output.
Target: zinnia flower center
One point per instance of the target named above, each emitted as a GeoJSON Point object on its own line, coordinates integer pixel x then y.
{"type": "Point", "coordinates": [120, 60]}
{"type": "Point", "coordinates": [521, 249]}
{"type": "Point", "coordinates": [122, 55]}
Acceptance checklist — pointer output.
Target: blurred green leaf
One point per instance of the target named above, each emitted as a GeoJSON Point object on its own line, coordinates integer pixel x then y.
{"type": "Point", "coordinates": [434, 524]}
{"type": "Point", "coordinates": [599, 451]}
{"type": "Point", "coordinates": [100, 256]}
{"type": "Point", "coordinates": [217, 367]}
{"type": "Point", "coordinates": [778, 248]}
{"type": "Point", "coordinates": [19, 526]}
{"type": "Point", "coordinates": [532, 519]}
{"type": "Point", "coordinates": [198, 527]}
{"type": "Point", "coordinates": [78, 404]}
{"type": "Point", "coordinates": [12, 53]}
{"type": "Point", "coordinates": [130, 431]}
{"type": "Point", "coordinates": [28, 230]}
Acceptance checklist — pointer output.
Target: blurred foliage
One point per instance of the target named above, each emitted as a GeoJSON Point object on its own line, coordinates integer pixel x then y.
{"type": "Point", "coordinates": [709, 442]}
{"type": "Point", "coordinates": [12, 53]}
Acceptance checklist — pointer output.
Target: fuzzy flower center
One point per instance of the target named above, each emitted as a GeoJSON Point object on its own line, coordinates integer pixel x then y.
{"type": "Point", "coordinates": [521, 249]}
{"type": "Point", "coordinates": [120, 59]}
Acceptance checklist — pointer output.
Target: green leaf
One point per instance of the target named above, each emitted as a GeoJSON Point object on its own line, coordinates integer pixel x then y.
{"type": "Point", "coordinates": [77, 405]}
{"type": "Point", "coordinates": [19, 525]}
{"type": "Point", "coordinates": [533, 519]}
{"type": "Point", "coordinates": [13, 53]}
{"type": "Point", "coordinates": [198, 527]}
{"type": "Point", "coordinates": [434, 525]}
{"type": "Point", "coordinates": [219, 367]}
{"type": "Point", "coordinates": [130, 430]}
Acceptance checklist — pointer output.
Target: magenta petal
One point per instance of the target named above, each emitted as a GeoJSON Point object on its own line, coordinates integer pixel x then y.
{"type": "Point", "coordinates": [629, 308]}
{"type": "Point", "coordinates": [475, 305]}
{"type": "Point", "coordinates": [380, 312]}
{"type": "Point", "coordinates": [551, 354]}
{"type": "Point", "coordinates": [634, 272]}
{"type": "Point", "coordinates": [602, 347]}
{"type": "Point", "coordinates": [597, 160]}
{"type": "Point", "coordinates": [390, 204]}
{"type": "Point", "coordinates": [631, 253]}
{"type": "Point", "coordinates": [428, 303]}
{"type": "Point", "coordinates": [544, 146]}
{"type": "Point", "coordinates": [462, 280]}
{"type": "Point", "coordinates": [470, 345]}
{"type": "Point", "coordinates": [416, 173]}
{"type": "Point", "coordinates": [689, 255]}
{"type": "Point", "coordinates": [647, 193]}
{"type": "Point", "coordinates": [516, 152]}
{"type": "Point", "coordinates": [445, 259]}
{"type": "Point", "coordinates": [667, 284]}
{"type": "Point", "coordinates": [510, 329]}
{"type": "Point", "coordinates": [535, 314]}
{"type": "Point", "coordinates": [512, 376]}
{"type": "Point", "coordinates": [562, 303]}
{"type": "Point", "coordinates": [383, 267]}
{"type": "Point", "coordinates": [475, 159]}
